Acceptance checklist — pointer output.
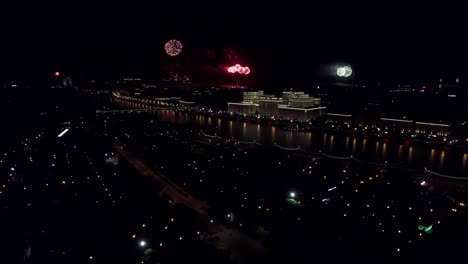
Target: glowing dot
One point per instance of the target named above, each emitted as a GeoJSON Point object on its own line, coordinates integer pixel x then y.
{"type": "Point", "coordinates": [142, 243]}
{"type": "Point", "coordinates": [57, 73]}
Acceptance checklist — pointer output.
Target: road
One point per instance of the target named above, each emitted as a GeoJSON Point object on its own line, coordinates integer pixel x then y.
{"type": "Point", "coordinates": [176, 193]}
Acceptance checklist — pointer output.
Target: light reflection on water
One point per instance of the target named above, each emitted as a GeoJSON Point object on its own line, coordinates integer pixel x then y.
{"type": "Point", "coordinates": [453, 162]}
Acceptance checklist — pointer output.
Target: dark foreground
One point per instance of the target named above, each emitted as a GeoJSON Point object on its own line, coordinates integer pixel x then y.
{"type": "Point", "coordinates": [73, 200]}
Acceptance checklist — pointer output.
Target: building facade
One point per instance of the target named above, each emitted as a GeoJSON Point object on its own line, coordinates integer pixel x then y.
{"type": "Point", "coordinates": [291, 105]}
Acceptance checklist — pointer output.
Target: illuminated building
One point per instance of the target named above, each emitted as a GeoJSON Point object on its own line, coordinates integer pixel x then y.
{"type": "Point", "coordinates": [291, 105]}
{"type": "Point", "coordinates": [253, 97]}
{"type": "Point", "coordinates": [410, 126]}
{"type": "Point", "coordinates": [243, 107]}
{"type": "Point", "coordinates": [300, 100]}
{"type": "Point", "coordinates": [268, 106]}
{"type": "Point", "coordinates": [399, 125]}
{"type": "Point", "coordinates": [432, 128]}
{"type": "Point", "coordinates": [339, 118]}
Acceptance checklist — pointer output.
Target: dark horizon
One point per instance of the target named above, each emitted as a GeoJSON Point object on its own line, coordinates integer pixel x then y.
{"type": "Point", "coordinates": [286, 46]}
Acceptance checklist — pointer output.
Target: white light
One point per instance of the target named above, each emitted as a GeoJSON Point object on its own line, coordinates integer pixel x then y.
{"type": "Point", "coordinates": [292, 194]}
{"type": "Point", "coordinates": [142, 243]}
{"type": "Point", "coordinates": [344, 71]}
{"type": "Point", "coordinates": [63, 132]}
{"type": "Point", "coordinates": [340, 72]}
{"type": "Point", "coordinates": [348, 71]}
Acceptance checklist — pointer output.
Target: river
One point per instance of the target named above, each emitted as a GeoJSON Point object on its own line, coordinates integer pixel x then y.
{"type": "Point", "coordinates": [442, 160]}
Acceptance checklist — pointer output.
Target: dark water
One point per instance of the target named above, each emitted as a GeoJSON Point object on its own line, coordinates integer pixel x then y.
{"type": "Point", "coordinates": [441, 160]}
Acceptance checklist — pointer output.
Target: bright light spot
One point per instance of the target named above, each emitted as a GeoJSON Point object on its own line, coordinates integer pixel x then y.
{"type": "Point", "coordinates": [133, 236]}
{"type": "Point", "coordinates": [57, 74]}
{"type": "Point", "coordinates": [423, 183]}
{"type": "Point", "coordinates": [90, 257]}
{"type": "Point", "coordinates": [344, 71]}
{"type": "Point", "coordinates": [340, 71]}
{"type": "Point", "coordinates": [238, 69]}
{"type": "Point", "coordinates": [142, 243]}
{"type": "Point", "coordinates": [63, 132]}
{"type": "Point", "coordinates": [292, 194]}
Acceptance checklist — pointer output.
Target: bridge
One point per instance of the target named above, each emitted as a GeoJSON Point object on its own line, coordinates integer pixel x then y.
{"type": "Point", "coordinates": [176, 193]}
{"type": "Point", "coordinates": [131, 110]}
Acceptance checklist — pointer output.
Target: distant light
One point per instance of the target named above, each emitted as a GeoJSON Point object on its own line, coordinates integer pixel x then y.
{"type": "Point", "coordinates": [344, 71]}
{"type": "Point", "coordinates": [63, 133]}
{"type": "Point", "coordinates": [292, 194]}
{"type": "Point", "coordinates": [142, 243]}
{"type": "Point", "coordinates": [57, 74]}
{"type": "Point", "coordinates": [423, 183]}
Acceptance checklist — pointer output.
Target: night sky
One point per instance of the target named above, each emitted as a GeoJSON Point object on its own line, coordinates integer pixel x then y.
{"type": "Point", "coordinates": [284, 43]}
